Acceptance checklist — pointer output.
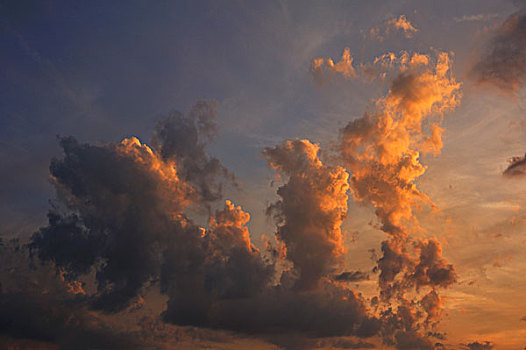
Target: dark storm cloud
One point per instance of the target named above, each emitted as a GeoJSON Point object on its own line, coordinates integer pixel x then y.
{"type": "Point", "coordinates": [130, 227]}
{"type": "Point", "coordinates": [184, 138]}
{"type": "Point", "coordinates": [330, 311]}
{"type": "Point", "coordinates": [400, 328]}
{"type": "Point", "coordinates": [121, 214]}
{"type": "Point", "coordinates": [225, 268]}
{"type": "Point", "coordinates": [432, 269]}
{"type": "Point", "coordinates": [39, 309]}
{"type": "Point", "coordinates": [56, 320]}
{"type": "Point", "coordinates": [504, 63]}
{"type": "Point", "coordinates": [117, 211]}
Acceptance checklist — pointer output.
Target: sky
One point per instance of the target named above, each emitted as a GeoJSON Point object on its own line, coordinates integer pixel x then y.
{"type": "Point", "coordinates": [263, 174]}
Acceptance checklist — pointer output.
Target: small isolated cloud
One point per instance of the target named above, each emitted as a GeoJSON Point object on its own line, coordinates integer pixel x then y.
{"type": "Point", "coordinates": [517, 167]}
{"type": "Point", "coordinates": [479, 346]}
{"type": "Point", "coordinates": [393, 25]}
{"type": "Point", "coordinates": [323, 69]}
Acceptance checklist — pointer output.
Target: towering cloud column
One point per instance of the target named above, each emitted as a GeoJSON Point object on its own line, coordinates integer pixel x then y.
{"type": "Point", "coordinates": [312, 208]}
{"type": "Point", "coordinates": [381, 150]}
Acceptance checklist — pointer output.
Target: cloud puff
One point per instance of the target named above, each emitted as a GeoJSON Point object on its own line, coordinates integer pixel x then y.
{"type": "Point", "coordinates": [329, 311]}
{"type": "Point", "coordinates": [504, 62]}
{"type": "Point", "coordinates": [383, 31]}
{"type": "Point", "coordinates": [324, 69]}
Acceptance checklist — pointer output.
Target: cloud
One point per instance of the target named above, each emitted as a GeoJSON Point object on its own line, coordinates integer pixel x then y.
{"type": "Point", "coordinates": [130, 232]}
{"type": "Point", "coordinates": [223, 267]}
{"type": "Point", "coordinates": [381, 150]}
{"type": "Point", "coordinates": [385, 67]}
{"type": "Point", "coordinates": [112, 223]}
{"type": "Point", "coordinates": [311, 211]}
{"type": "Point", "coordinates": [476, 18]}
{"type": "Point", "coordinates": [39, 310]}
{"type": "Point", "coordinates": [383, 31]}
{"type": "Point", "coordinates": [432, 269]}
{"type": "Point", "coordinates": [324, 69]}
{"type": "Point", "coordinates": [351, 276]}
{"type": "Point", "coordinates": [327, 312]}
{"type": "Point", "coordinates": [479, 346]}
{"type": "Point", "coordinates": [504, 62]}
{"type": "Point", "coordinates": [516, 168]}
{"type": "Point", "coordinates": [432, 305]}
{"type": "Point", "coordinates": [400, 328]}
{"type": "Point", "coordinates": [184, 139]}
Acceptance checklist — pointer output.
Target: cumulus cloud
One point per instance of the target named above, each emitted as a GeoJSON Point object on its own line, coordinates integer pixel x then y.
{"type": "Point", "coordinates": [381, 150]}
{"type": "Point", "coordinates": [392, 25]}
{"type": "Point", "coordinates": [311, 211]}
{"type": "Point", "coordinates": [184, 139]}
{"type": "Point", "coordinates": [223, 266]}
{"type": "Point", "coordinates": [130, 227]}
{"type": "Point", "coordinates": [121, 218]}
{"type": "Point", "coordinates": [504, 62]}
{"type": "Point", "coordinates": [112, 223]}
{"type": "Point", "coordinates": [400, 328]}
{"type": "Point", "coordinates": [38, 309]}
{"type": "Point", "coordinates": [324, 69]}
{"type": "Point", "coordinates": [385, 67]}
{"type": "Point", "coordinates": [329, 311]}
{"type": "Point", "coordinates": [129, 231]}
